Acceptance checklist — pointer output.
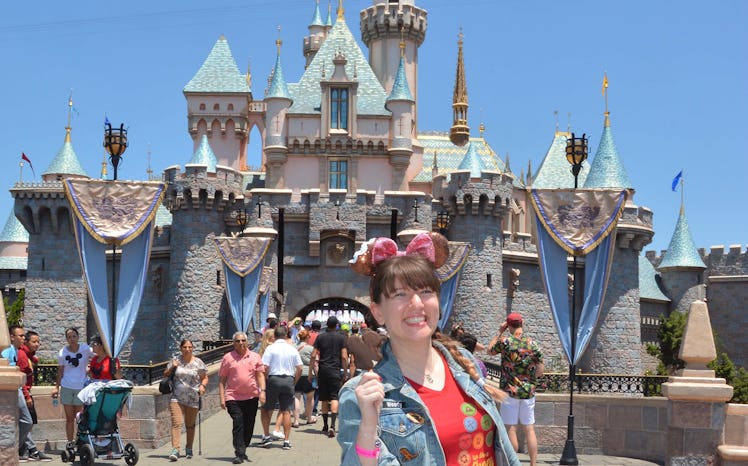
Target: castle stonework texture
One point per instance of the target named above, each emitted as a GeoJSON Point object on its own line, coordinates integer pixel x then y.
{"type": "Point", "coordinates": [344, 160]}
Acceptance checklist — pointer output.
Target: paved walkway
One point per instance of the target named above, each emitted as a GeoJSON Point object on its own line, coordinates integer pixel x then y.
{"type": "Point", "coordinates": [309, 448]}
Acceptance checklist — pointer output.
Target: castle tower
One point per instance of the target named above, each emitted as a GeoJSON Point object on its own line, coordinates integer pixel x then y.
{"type": "Point", "coordinates": [383, 26]}
{"type": "Point", "coordinates": [218, 99]}
{"type": "Point", "coordinates": [277, 100]}
{"type": "Point", "coordinates": [459, 134]}
{"type": "Point", "coordinates": [54, 278]}
{"type": "Point", "coordinates": [202, 200]}
{"type": "Point", "coordinates": [476, 200]}
{"type": "Point", "coordinates": [616, 345]}
{"type": "Point", "coordinates": [14, 241]}
{"type": "Point", "coordinates": [317, 34]}
{"type": "Point", "coordinates": [682, 268]}
{"type": "Point", "coordinates": [402, 105]}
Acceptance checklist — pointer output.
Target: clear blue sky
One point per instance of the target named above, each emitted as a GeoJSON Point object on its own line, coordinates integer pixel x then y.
{"type": "Point", "coordinates": [678, 92]}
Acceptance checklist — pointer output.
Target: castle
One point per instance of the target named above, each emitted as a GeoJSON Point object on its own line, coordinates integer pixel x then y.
{"type": "Point", "coordinates": [343, 161]}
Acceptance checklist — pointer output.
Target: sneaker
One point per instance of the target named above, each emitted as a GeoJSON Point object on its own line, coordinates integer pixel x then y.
{"type": "Point", "coordinates": [278, 435]}
{"type": "Point", "coordinates": [331, 433]}
{"type": "Point", "coordinates": [37, 455]}
{"type": "Point", "coordinates": [23, 458]}
{"type": "Point", "coordinates": [266, 441]}
{"type": "Point", "coordinates": [286, 445]}
{"type": "Point", "coordinates": [188, 453]}
{"type": "Point", "coordinates": [238, 460]}
{"type": "Point", "coordinates": [174, 454]}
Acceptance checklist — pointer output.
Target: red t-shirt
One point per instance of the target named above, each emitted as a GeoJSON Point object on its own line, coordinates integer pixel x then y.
{"type": "Point", "coordinates": [466, 431]}
{"type": "Point", "coordinates": [100, 370]}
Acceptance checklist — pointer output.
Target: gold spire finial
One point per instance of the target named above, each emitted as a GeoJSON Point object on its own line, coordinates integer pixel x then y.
{"type": "Point", "coordinates": [278, 41]}
{"type": "Point", "coordinates": [70, 109]}
{"type": "Point", "coordinates": [341, 11]}
{"type": "Point", "coordinates": [103, 166]}
{"type": "Point", "coordinates": [248, 78]}
{"type": "Point", "coordinates": [555, 116]}
{"type": "Point", "coordinates": [402, 43]}
{"type": "Point", "coordinates": [605, 94]}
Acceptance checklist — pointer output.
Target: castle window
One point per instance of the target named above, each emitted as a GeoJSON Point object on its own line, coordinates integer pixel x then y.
{"type": "Point", "coordinates": [338, 174]}
{"type": "Point", "coordinates": [202, 106]}
{"type": "Point", "coordinates": [339, 108]}
{"type": "Point", "coordinates": [231, 107]}
{"type": "Point", "coordinates": [216, 107]}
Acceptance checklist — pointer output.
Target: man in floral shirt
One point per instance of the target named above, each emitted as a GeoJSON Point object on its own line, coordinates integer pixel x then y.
{"type": "Point", "coordinates": [521, 365]}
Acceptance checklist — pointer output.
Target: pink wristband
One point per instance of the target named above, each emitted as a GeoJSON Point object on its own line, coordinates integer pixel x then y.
{"type": "Point", "coordinates": [367, 453]}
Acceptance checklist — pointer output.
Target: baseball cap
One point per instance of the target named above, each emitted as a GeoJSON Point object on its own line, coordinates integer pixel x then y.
{"type": "Point", "coordinates": [272, 316]}
{"type": "Point", "coordinates": [514, 319]}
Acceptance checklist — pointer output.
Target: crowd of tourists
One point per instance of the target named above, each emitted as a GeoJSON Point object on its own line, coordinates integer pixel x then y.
{"type": "Point", "coordinates": [401, 390]}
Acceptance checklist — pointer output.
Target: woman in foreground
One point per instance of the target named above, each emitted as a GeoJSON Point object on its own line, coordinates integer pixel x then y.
{"type": "Point", "coordinates": [425, 402]}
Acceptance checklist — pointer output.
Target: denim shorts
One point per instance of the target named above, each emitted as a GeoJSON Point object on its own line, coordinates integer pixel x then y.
{"type": "Point", "coordinates": [69, 396]}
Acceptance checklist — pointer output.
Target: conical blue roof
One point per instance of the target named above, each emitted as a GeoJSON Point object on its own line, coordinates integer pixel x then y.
{"type": "Point", "coordinates": [607, 170]}
{"type": "Point", "coordinates": [278, 87]}
{"type": "Point", "coordinates": [554, 171]}
{"type": "Point", "coordinates": [317, 19]}
{"type": "Point", "coordinates": [66, 161]}
{"type": "Point", "coordinates": [472, 162]}
{"type": "Point", "coordinates": [682, 252]}
{"type": "Point", "coordinates": [329, 16]}
{"type": "Point", "coordinates": [204, 155]}
{"type": "Point", "coordinates": [219, 72]}
{"type": "Point", "coordinates": [400, 88]}
{"type": "Point", "coordinates": [648, 287]}
{"type": "Point", "coordinates": [14, 232]}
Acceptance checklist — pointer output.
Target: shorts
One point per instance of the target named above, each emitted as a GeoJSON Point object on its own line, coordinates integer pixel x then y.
{"type": "Point", "coordinates": [304, 385]}
{"type": "Point", "coordinates": [279, 389]}
{"type": "Point", "coordinates": [69, 396]}
{"type": "Point", "coordinates": [516, 411]}
{"type": "Point", "coordinates": [329, 385]}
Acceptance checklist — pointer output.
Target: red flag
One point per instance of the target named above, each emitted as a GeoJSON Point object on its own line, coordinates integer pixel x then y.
{"type": "Point", "coordinates": [23, 157]}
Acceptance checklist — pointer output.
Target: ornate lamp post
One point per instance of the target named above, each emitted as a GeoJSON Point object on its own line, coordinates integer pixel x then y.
{"type": "Point", "coordinates": [242, 218]}
{"type": "Point", "coordinates": [576, 154]}
{"type": "Point", "coordinates": [442, 221]}
{"type": "Point", "coordinates": [115, 143]}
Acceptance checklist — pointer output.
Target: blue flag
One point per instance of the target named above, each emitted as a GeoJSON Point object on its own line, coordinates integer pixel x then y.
{"type": "Point", "coordinates": [106, 121]}
{"type": "Point", "coordinates": [676, 180]}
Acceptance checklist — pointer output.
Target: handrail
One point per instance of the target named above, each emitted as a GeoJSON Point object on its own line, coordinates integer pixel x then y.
{"type": "Point", "coordinates": [140, 374]}
{"type": "Point", "coordinates": [596, 384]}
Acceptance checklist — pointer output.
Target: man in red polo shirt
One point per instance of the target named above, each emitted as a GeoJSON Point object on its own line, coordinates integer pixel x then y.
{"type": "Point", "coordinates": [241, 388]}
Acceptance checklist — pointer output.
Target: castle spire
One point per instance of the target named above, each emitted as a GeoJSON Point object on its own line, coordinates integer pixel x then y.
{"type": "Point", "coordinates": [681, 252]}
{"type": "Point", "coordinates": [317, 18]}
{"type": "Point", "coordinates": [341, 10]}
{"type": "Point", "coordinates": [459, 134]}
{"type": "Point", "coordinates": [605, 94]}
{"type": "Point", "coordinates": [278, 87]}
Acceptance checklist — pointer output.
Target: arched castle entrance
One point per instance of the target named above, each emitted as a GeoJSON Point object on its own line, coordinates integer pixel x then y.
{"type": "Point", "coordinates": [343, 308]}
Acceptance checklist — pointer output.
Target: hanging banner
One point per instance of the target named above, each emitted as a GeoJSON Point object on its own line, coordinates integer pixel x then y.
{"type": "Point", "coordinates": [449, 276]}
{"type": "Point", "coordinates": [578, 219]}
{"type": "Point", "coordinates": [117, 213]}
{"type": "Point", "coordinates": [242, 259]}
{"type": "Point", "coordinates": [577, 222]}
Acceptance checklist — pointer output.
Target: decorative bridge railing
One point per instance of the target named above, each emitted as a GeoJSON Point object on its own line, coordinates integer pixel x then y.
{"type": "Point", "coordinates": [141, 374]}
{"type": "Point", "coordinates": [596, 384]}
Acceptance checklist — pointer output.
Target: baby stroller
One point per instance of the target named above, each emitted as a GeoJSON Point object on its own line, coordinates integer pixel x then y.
{"type": "Point", "coordinates": [98, 434]}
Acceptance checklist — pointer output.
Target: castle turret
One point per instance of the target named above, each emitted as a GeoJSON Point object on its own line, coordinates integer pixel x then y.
{"type": "Point", "coordinates": [400, 102]}
{"type": "Point", "coordinates": [317, 34]}
{"type": "Point", "coordinates": [682, 268]}
{"type": "Point", "coordinates": [54, 278]}
{"type": "Point", "coordinates": [383, 26]}
{"type": "Point", "coordinates": [607, 170]}
{"type": "Point", "coordinates": [204, 155]}
{"type": "Point", "coordinates": [459, 134]}
{"type": "Point", "coordinates": [476, 203]}
{"type": "Point", "coordinates": [218, 97]}
{"type": "Point", "coordinates": [14, 242]}
{"type": "Point", "coordinates": [278, 100]}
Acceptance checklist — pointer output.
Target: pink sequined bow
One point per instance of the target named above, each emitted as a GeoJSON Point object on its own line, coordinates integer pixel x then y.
{"type": "Point", "coordinates": [384, 248]}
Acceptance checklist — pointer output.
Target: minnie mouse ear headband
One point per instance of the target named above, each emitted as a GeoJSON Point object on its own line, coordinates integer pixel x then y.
{"type": "Point", "coordinates": [431, 245]}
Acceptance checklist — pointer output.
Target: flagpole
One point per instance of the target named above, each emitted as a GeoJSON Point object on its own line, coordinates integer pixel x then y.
{"type": "Point", "coordinates": [20, 174]}
{"type": "Point", "coordinates": [682, 193]}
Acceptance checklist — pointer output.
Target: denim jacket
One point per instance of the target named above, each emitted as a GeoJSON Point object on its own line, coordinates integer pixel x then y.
{"type": "Point", "coordinates": [405, 441]}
